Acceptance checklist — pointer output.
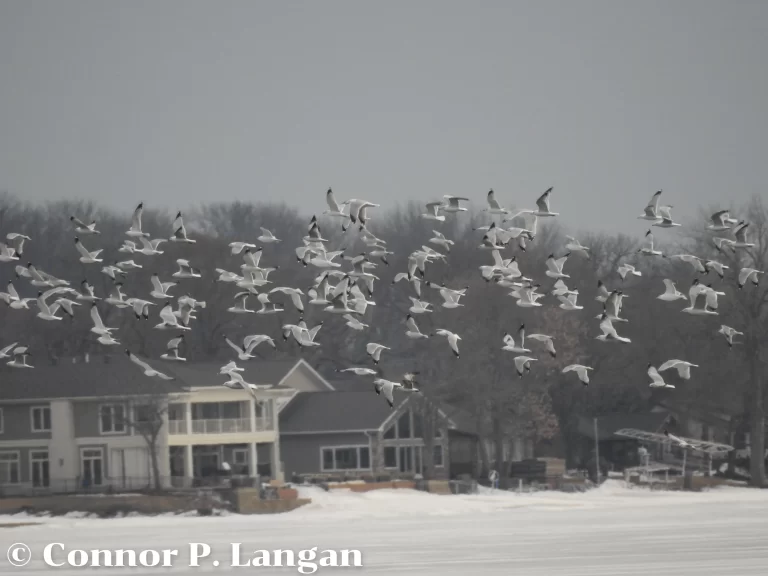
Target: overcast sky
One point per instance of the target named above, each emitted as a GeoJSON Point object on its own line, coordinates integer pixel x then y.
{"type": "Point", "coordinates": [179, 102]}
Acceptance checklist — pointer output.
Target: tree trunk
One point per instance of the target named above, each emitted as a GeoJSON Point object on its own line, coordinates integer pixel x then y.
{"type": "Point", "coordinates": [498, 445]}
{"type": "Point", "coordinates": [757, 425]}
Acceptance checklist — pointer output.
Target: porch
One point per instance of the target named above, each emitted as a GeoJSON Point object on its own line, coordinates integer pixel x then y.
{"type": "Point", "coordinates": [238, 417]}
{"type": "Point", "coordinates": [204, 464]}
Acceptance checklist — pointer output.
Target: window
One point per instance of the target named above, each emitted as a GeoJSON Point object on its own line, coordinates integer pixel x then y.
{"type": "Point", "coordinates": [346, 458]}
{"type": "Point", "coordinates": [437, 455]}
{"type": "Point", "coordinates": [390, 457]}
{"type": "Point", "coordinates": [112, 419]}
{"type": "Point", "coordinates": [2, 423]}
{"type": "Point", "coordinates": [41, 419]}
{"type": "Point", "coordinates": [92, 467]}
{"type": "Point", "coordinates": [418, 426]}
{"type": "Point", "coordinates": [240, 456]}
{"type": "Point", "coordinates": [404, 425]}
{"type": "Point", "coordinates": [40, 468]}
{"type": "Point", "coordinates": [9, 468]}
{"type": "Point", "coordinates": [390, 433]}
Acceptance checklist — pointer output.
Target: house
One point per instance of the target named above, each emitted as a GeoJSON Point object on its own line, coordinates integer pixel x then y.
{"type": "Point", "coordinates": [354, 433]}
{"type": "Point", "coordinates": [78, 424]}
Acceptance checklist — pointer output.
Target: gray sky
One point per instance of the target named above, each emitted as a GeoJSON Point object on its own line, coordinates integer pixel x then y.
{"type": "Point", "coordinates": [177, 102]}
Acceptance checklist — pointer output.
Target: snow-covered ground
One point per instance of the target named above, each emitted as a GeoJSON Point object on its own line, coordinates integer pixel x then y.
{"type": "Point", "coordinates": [611, 531]}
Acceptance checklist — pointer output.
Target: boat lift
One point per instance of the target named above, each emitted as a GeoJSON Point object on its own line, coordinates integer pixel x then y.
{"type": "Point", "coordinates": [709, 448]}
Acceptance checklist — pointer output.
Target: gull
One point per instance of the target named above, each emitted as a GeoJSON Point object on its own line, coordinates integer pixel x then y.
{"type": "Point", "coordinates": [665, 213]}
{"type": "Point", "coordinates": [140, 307]}
{"type": "Point", "coordinates": [87, 294]}
{"type": "Point", "coordinates": [651, 211]}
{"type": "Point", "coordinates": [227, 276]}
{"type": "Point", "coordinates": [7, 254]}
{"type": "Point", "coordinates": [354, 323]}
{"type": "Point", "coordinates": [646, 248]}
{"type": "Point", "coordinates": [548, 341]}
{"type": "Point", "coordinates": [135, 230]}
{"type": "Point", "coordinates": [489, 242]}
{"type": "Point", "coordinates": [47, 312]}
{"type": "Point", "coordinates": [359, 371]}
{"type": "Point", "coordinates": [381, 253]}
{"type": "Point", "coordinates": [409, 381]}
{"type": "Point", "coordinates": [267, 307]}
{"type": "Point", "coordinates": [251, 259]}
{"type": "Point", "coordinates": [116, 298]}
{"type": "Point", "coordinates": [419, 306]}
{"type": "Point", "coordinates": [186, 270]}
{"type": "Point", "coordinates": [113, 272]}
{"type": "Point", "coordinates": [560, 289]}
{"type": "Point", "coordinates": [128, 247]}
{"type": "Point", "coordinates": [38, 277]}
{"type": "Point", "coordinates": [656, 380]}
{"type": "Point", "coordinates": [528, 299]}
{"type": "Point", "coordinates": [493, 205]}
{"type": "Point", "coordinates": [149, 247]}
{"type": "Point", "coordinates": [453, 203]}
{"type": "Point", "coordinates": [721, 221]}
{"type": "Point", "coordinates": [244, 351]}
{"type": "Point", "coordinates": [302, 335]}
{"type": "Point", "coordinates": [602, 292]}
{"type": "Point", "coordinates": [230, 367]}
{"type": "Point", "coordinates": [694, 292]}
{"type": "Point", "coordinates": [180, 231]}
{"type": "Point", "coordinates": [173, 349]}
{"type": "Point", "coordinates": [18, 242]}
{"type": "Point", "coordinates": [267, 237]}
{"type": "Point", "coordinates": [740, 232]}
{"type": "Point", "coordinates": [523, 364]}
{"type": "Point", "coordinates": [440, 239]}
{"type": "Point", "coordinates": [569, 302]}
{"type": "Point", "coordinates": [679, 441]}
{"type": "Point", "coordinates": [314, 235]}
{"type": "Point", "coordinates": [13, 300]}
{"type": "Point", "coordinates": [374, 351]}
{"type": "Point", "coordinates": [128, 265]}
{"type": "Point", "coordinates": [711, 299]}
{"type": "Point", "coordinates": [609, 332]}
{"type": "Point", "coordinates": [386, 388]}
{"type": "Point", "coordinates": [555, 266]}
{"type": "Point", "coordinates": [107, 340]}
{"type": "Point", "coordinates": [20, 355]}
{"type": "Point", "coordinates": [729, 334]}
{"type": "Point", "coordinates": [67, 305]}
{"type": "Point", "coordinates": [671, 293]}
{"type": "Point", "coordinates": [451, 297]}
{"type": "Point", "coordinates": [723, 242]}
{"type": "Point", "coordinates": [237, 247]}
{"type": "Point", "coordinates": [294, 293]}
{"type": "Point", "coordinates": [184, 313]}
{"type": "Point", "coordinates": [574, 245]}
{"type": "Point", "coordinates": [694, 261]}
{"type": "Point", "coordinates": [683, 368]}
{"type": "Point", "coordinates": [240, 307]}
{"type": "Point", "coordinates": [160, 289]}
{"type": "Point", "coordinates": [98, 325]}
{"type": "Point", "coordinates": [612, 307]}
{"type": "Point", "coordinates": [747, 274]}
{"type": "Point", "coordinates": [252, 341]}
{"type": "Point", "coordinates": [453, 339]}
{"type": "Point", "coordinates": [324, 260]}
{"type": "Point", "coordinates": [148, 370]}
{"type": "Point", "coordinates": [581, 371]}
{"type": "Point", "coordinates": [414, 280]}
{"type": "Point", "coordinates": [237, 382]}
{"type": "Point", "coordinates": [413, 332]}
{"type": "Point", "coordinates": [169, 320]}
{"type": "Point", "coordinates": [625, 269]}
{"type": "Point", "coordinates": [334, 208]}
{"type": "Point", "coordinates": [710, 265]}
{"type": "Point", "coordinates": [339, 305]}
{"type": "Point", "coordinates": [509, 341]}
{"type": "Point", "coordinates": [357, 210]}
{"type": "Point", "coordinates": [543, 205]}
{"type": "Point", "coordinates": [83, 228]}
{"type": "Point", "coordinates": [4, 352]}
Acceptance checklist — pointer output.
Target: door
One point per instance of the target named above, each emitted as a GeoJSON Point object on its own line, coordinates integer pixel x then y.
{"type": "Point", "coordinates": [40, 469]}
{"type": "Point", "coordinates": [240, 461]}
{"type": "Point", "coordinates": [92, 465]}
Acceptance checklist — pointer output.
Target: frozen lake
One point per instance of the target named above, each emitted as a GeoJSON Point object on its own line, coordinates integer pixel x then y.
{"type": "Point", "coordinates": [612, 531]}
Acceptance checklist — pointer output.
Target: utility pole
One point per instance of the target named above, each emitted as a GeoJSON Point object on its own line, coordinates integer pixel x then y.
{"type": "Point", "coordinates": [597, 454]}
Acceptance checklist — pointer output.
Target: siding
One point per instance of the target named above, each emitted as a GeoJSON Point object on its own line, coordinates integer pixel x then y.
{"type": "Point", "coordinates": [301, 453]}
{"type": "Point", "coordinates": [17, 423]}
{"type": "Point", "coordinates": [303, 380]}
{"type": "Point", "coordinates": [86, 419]}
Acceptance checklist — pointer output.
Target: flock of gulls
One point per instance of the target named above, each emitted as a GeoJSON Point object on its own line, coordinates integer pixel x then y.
{"type": "Point", "coordinates": [345, 285]}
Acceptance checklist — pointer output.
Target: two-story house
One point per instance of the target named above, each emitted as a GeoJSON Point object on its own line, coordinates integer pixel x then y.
{"type": "Point", "coordinates": [78, 424]}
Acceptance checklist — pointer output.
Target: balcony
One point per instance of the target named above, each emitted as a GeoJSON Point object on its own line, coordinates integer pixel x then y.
{"type": "Point", "coordinates": [219, 426]}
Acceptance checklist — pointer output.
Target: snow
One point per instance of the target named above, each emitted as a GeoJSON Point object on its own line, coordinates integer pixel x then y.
{"type": "Point", "coordinates": [614, 530]}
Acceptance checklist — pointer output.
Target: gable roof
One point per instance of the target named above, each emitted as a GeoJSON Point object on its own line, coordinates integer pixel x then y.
{"type": "Point", "coordinates": [608, 424]}
{"type": "Point", "coordinates": [335, 411]}
{"type": "Point", "coordinates": [301, 362]}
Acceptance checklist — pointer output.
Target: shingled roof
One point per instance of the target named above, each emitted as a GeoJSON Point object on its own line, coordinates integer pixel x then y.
{"type": "Point", "coordinates": [116, 375]}
{"type": "Point", "coordinates": [608, 424]}
{"type": "Point", "coordinates": [333, 411]}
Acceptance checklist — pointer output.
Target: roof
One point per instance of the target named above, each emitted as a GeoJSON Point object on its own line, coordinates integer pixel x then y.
{"type": "Point", "coordinates": [98, 378]}
{"type": "Point", "coordinates": [115, 375]}
{"type": "Point", "coordinates": [333, 411]}
{"type": "Point", "coordinates": [608, 424]}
